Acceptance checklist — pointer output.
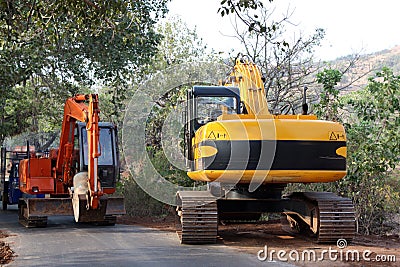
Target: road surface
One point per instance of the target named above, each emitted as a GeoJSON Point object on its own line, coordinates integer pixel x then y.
{"type": "Point", "coordinates": [64, 243]}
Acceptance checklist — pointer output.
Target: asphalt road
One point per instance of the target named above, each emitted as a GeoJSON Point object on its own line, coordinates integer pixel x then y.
{"type": "Point", "coordinates": [65, 243]}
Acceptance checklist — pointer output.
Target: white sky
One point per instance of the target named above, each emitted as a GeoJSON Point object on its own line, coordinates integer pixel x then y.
{"type": "Point", "coordinates": [351, 26]}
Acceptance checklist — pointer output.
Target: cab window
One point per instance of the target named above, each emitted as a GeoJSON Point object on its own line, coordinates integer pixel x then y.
{"type": "Point", "coordinates": [209, 107]}
{"type": "Point", "coordinates": [106, 147]}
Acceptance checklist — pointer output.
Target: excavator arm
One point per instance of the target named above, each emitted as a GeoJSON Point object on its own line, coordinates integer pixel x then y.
{"type": "Point", "coordinates": [76, 109]}
{"type": "Point", "coordinates": [247, 76]}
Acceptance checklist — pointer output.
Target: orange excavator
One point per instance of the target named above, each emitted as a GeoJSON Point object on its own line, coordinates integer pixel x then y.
{"type": "Point", "coordinates": [78, 177]}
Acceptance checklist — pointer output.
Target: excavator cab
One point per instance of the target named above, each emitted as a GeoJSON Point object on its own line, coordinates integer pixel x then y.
{"type": "Point", "coordinates": [108, 165]}
{"type": "Point", "coordinates": [205, 104]}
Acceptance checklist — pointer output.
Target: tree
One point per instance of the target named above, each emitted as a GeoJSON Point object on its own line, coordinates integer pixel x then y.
{"type": "Point", "coordinates": [287, 66]}
{"type": "Point", "coordinates": [372, 121]}
{"type": "Point", "coordinates": [375, 126]}
{"type": "Point", "coordinates": [180, 44]}
{"type": "Point", "coordinates": [35, 115]}
{"type": "Point", "coordinates": [58, 45]}
{"type": "Point", "coordinates": [238, 7]}
{"type": "Point", "coordinates": [374, 150]}
{"type": "Point", "coordinates": [328, 107]}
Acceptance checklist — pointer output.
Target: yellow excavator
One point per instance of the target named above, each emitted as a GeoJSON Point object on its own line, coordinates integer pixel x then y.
{"type": "Point", "coordinates": [247, 156]}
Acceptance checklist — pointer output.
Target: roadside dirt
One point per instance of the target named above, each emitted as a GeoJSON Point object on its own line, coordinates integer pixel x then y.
{"type": "Point", "coordinates": [269, 236]}
{"type": "Point", "coordinates": [6, 254]}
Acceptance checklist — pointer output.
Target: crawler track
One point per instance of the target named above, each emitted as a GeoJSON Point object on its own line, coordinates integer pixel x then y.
{"type": "Point", "coordinates": [198, 217]}
{"type": "Point", "coordinates": [336, 217]}
{"type": "Point", "coordinates": [328, 217]}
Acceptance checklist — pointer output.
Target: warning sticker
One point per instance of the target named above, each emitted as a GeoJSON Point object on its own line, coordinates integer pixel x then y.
{"type": "Point", "coordinates": [212, 135]}
{"type": "Point", "coordinates": [337, 136]}
{"type": "Point", "coordinates": [217, 135]}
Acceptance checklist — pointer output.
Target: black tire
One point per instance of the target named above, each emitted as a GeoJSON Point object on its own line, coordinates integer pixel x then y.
{"type": "Point", "coordinates": [4, 200]}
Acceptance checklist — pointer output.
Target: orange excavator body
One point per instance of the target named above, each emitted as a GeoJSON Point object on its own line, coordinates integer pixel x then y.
{"type": "Point", "coordinates": [53, 173]}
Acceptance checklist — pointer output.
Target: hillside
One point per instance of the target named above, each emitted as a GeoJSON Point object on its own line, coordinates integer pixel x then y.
{"type": "Point", "coordinates": [366, 65]}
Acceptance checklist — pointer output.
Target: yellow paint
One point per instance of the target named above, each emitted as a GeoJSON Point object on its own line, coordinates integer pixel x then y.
{"type": "Point", "coordinates": [271, 176]}
{"type": "Point", "coordinates": [269, 129]}
{"type": "Point", "coordinates": [342, 151]}
{"type": "Point", "coordinates": [204, 152]}
{"type": "Point", "coordinates": [285, 237]}
{"type": "Point", "coordinates": [247, 76]}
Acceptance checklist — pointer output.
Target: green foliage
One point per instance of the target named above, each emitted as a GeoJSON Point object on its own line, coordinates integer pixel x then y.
{"type": "Point", "coordinates": [329, 103]}
{"type": "Point", "coordinates": [231, 6]}
{"type": "Point", "coordinates": [167, 170]}
{"type": "Point", "coordinates": [374, 136]}
{"type": "Point", "coordinates": [179, 44]}
{"type": "Point", "coordinates": [81, 40]}
{"type": "Point", "coordinates": [139, 203]}
{"type": "Point", "coordinates": [58, 46]}
{"type": "Point", "coordinates": [373, 148]}
{"type": "Point", "coordinates": [329, 78]}
{"type": "Point", "coordinates": [31, 109]}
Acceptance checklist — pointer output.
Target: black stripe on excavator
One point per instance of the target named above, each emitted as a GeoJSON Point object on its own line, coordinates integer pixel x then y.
{"type": "Point", "coordinates": [289, 155]}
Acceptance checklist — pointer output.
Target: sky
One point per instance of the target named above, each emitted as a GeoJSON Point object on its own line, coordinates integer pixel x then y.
{"type": "Point", "coordinates": [351, 26]}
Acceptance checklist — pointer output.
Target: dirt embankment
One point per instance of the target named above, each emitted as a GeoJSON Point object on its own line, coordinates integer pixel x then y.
{"type": "Point", "coordinates": [298, 250]}
{"type": "Point", "coordinates": [6, 253]}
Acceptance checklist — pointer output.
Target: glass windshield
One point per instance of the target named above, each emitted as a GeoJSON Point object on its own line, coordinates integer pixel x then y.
{"type": "Point", "coordinates": [106, 147]}
{"type": "Point", "coordinates": [210, 107]}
